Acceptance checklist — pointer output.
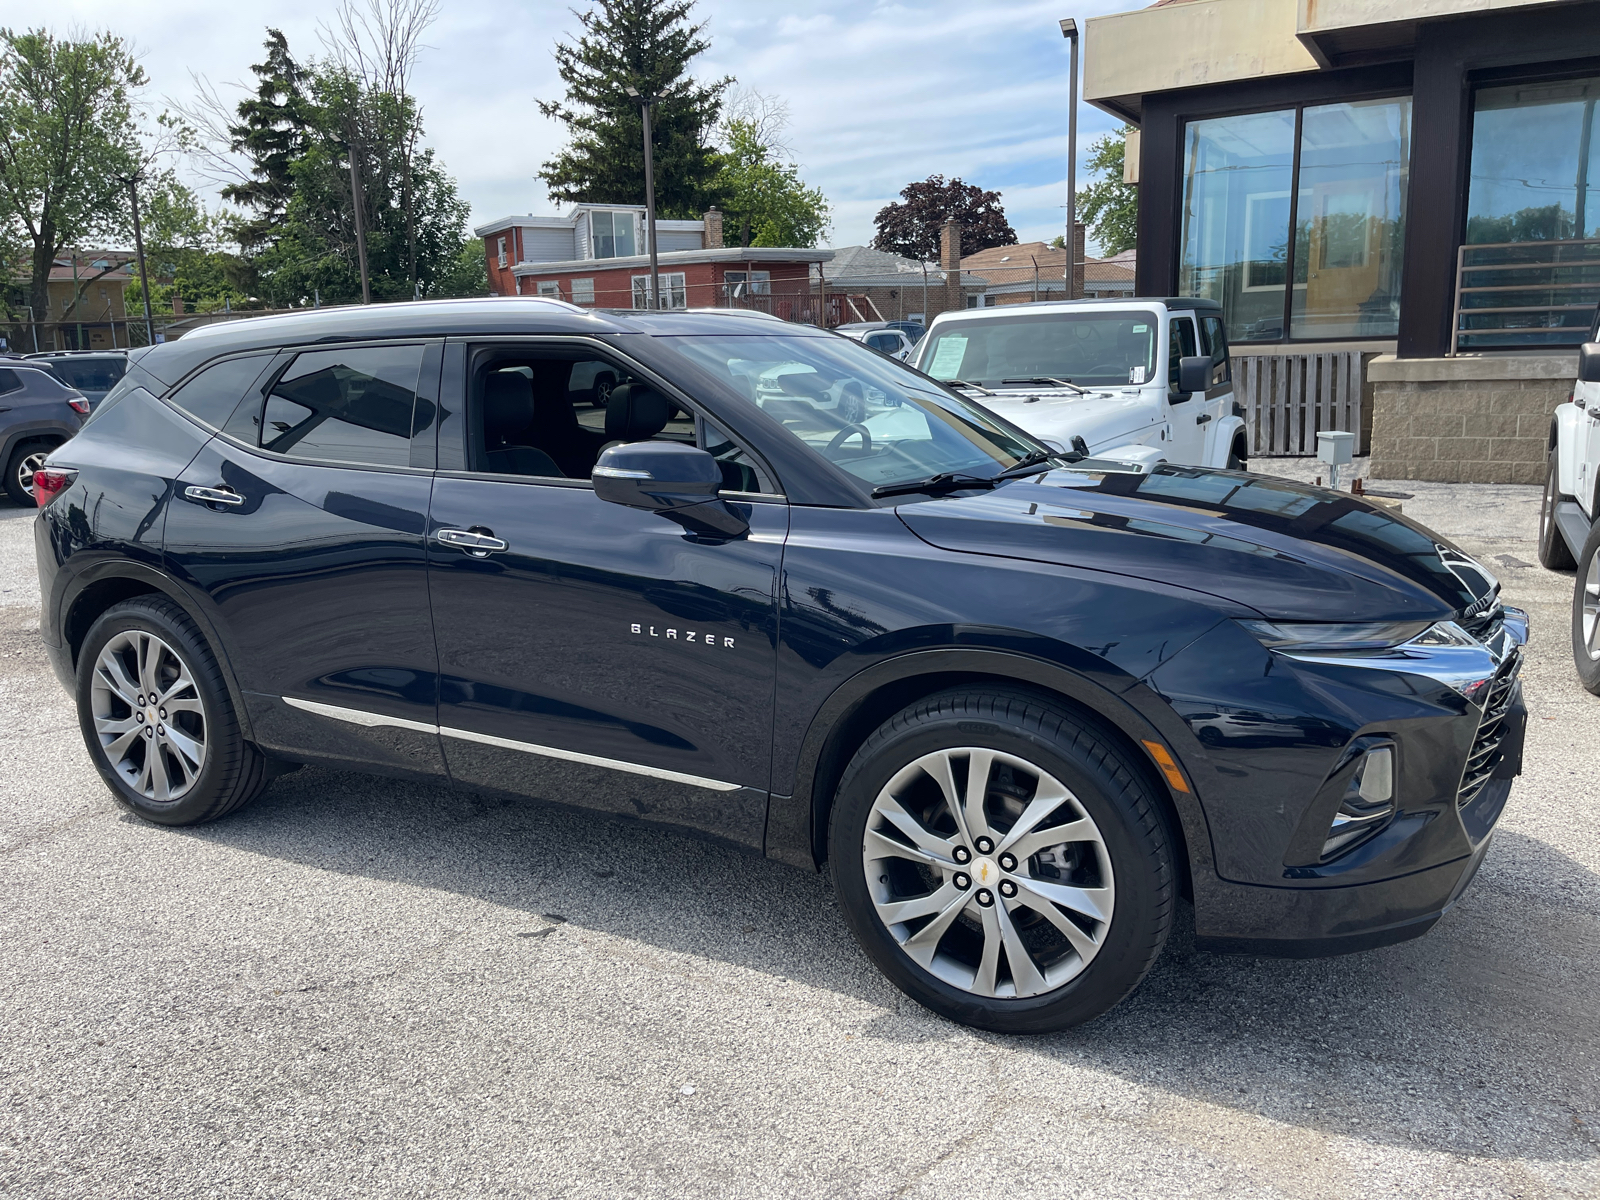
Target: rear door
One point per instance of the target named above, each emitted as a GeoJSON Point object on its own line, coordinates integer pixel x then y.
{"type": "Point", "coordinates": [592, 654]}
{"type": "Point", "coordinates": [1219, 396]}
{"type": "Point", "coordinates": [1587, 395]}
{"type": "Point", "coordinates": [302, 528]}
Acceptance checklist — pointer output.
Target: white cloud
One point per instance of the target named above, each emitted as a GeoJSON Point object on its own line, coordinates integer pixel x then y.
{"type": "Point", "coordinates": [881, 94]}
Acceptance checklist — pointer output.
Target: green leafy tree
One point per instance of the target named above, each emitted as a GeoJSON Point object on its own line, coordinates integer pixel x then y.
{"type": "Point", "coordinates": [271, 133]}
{"type": "Point", "coordinates": [912, 226]}
{"type": "Point", "coordinates": [646, 45]}
{"type": "Point", "coordinates": [68, 138]}
{"type": "Point", "coordinates": [314, 252]}
{"type": "Point", "coordinates": [1109, 207]}
{"type": "Point", "coordinates": [470, 274]}
{"type": "Point", "coordinates": [765, 199]}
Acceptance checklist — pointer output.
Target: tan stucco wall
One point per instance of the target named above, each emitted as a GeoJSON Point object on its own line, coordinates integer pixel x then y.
{"type": "Point", "coordinates": [1185, 45]}
{"type": "Point", "coordinates": [1316, 16]}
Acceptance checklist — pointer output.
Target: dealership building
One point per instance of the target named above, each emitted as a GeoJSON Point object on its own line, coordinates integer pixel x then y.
{"type": "Point", "coordinates": [1397, 205]}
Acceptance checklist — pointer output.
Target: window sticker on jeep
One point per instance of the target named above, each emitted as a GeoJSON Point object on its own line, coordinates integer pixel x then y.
{"type": "Point", "coordinates": [1135, 374]}
{"type": "Point", "coordinates": [947, 359]}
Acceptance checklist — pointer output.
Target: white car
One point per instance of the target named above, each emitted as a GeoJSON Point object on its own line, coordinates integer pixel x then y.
{"type": "Point", "coordinates": [1569, 517]}
{"type": "Point", "coordinates": [886, 341]}
{"type": "Point", "coordinates": [1142, 381]}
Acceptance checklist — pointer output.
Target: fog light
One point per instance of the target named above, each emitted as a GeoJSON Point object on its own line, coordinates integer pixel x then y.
{"type": "Point", "coordinates": [1368, 802]}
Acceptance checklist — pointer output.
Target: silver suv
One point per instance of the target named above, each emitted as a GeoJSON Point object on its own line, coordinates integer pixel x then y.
{"type": "Point", "coordinates": [37, 413]}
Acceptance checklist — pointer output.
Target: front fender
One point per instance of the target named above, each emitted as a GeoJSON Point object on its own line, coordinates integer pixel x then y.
{"type": "Point", "coordinates": [1567, 444]}
{"type": "Point", "coordinates": [1228, 430]}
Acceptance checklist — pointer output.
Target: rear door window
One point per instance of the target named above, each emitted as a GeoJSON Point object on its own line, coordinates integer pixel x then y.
{"type": "Point", "coordinates": [1214, 341]}
{"type": "Point", "coordinates": [346, 406]}
{"type": "Point", "coordinates": [212, 395]}
{"type": "Point", "coordinates": [8, 381]}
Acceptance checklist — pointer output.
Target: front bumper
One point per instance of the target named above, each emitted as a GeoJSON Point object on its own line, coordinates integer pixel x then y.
{"type": "Point", "coordinates": [1273, 760]}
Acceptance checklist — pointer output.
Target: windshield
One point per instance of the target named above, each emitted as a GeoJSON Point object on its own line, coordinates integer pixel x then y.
{"type": "Point", "coordinates": [91, 374]}
{"type": "Point", "coordinates": [1099, 349]}
{"type": "Point", "coordinates": [865, 413]}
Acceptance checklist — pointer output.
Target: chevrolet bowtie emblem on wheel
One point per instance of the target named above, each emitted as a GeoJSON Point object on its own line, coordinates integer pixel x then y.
{"type": "Point", "coordinates": [682, 635]}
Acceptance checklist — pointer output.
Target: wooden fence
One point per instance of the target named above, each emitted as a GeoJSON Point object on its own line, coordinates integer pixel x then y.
{"type": "Point", "coordinates": [1288, 398]}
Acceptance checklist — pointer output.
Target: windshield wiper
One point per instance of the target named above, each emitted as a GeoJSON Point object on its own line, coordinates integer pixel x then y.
{"type": "Point", "coordinates": [945, 481]}
{"type": "Point", "coordinates": [1052, 380]}
{"type": "Point", "coordinates": [1030, 465]}
{"type": "Point", "coordinates": [977, 387]}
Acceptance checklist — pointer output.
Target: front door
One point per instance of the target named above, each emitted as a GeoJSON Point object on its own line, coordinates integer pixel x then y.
{"type": "Point", "coordinates": [303, 525]}
{"type": "Point", "coordinates": [1186, 431]}
{"type": "Point", "coordinates": [593, 654]}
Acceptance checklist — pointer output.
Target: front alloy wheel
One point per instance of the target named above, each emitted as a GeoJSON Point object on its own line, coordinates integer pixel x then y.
{"type": "Point", "coordinates": [1003, 859]}
{"type": "Point", "coordinates": [1586, 614]}
{"type": "Point", "coordinates": [988, 873]}
{"type": "Point", "coordinates": [148, 716]}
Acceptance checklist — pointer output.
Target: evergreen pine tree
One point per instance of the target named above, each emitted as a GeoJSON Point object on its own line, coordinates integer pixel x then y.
{"type": "Point", "coordinates": [272, 133]}
{"type": "Point", "coordinates": [647, 45]}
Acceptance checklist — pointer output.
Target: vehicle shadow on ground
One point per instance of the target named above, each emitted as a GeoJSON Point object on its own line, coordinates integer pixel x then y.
{"type": "Point", "coordinates": [1462, 1041]}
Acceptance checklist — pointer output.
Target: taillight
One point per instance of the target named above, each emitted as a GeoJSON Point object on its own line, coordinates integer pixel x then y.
{"type": "Point", "coordinates": [79, 406]}
{"type": "Point", "coordinates": [50, 482]}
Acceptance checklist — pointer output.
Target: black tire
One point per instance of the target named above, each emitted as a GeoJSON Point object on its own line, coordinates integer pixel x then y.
{"type": "Point", "coordinates": [1553, 549]}
{"type": "Point", "coordinates": [24, 460]}
{"type": "Point", "coordinates": [1238, 458]}
{"type": "Point", "coordinates": [1105, 786]}
{"type": "Point", "coordinates": [601, 393]}
{"type": "Point", "coordinates": [1586, 593]}
{"type": "Point", "coordinates": [233, 772]}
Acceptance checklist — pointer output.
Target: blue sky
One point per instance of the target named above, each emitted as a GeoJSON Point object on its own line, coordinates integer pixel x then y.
{"type": "Point", "coordinates": [880, 94]}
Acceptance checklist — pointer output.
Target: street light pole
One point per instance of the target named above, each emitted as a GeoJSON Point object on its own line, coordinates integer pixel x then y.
{"type": "Point", "coordinates": [646, 105]}
{"type": "Point", "coordinates": [138, 248]}
{"type": "Point", "coordinates": [1069, 30]}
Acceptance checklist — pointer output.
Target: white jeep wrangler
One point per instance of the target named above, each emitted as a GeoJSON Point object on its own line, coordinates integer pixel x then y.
{"type": "Point", "coordinates": [1569, 517]}
{"type": "Point", "coordinates": [1143, 381]}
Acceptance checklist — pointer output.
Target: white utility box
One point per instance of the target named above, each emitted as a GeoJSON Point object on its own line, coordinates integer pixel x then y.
{"type": "Point", "coordinates": [1335, 448]}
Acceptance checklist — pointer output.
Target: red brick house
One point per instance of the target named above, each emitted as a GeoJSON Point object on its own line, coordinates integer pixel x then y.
{"type": "Point", "coordinates": [597, 256]}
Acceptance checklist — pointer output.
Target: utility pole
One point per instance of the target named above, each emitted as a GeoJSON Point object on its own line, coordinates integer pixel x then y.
{"type": "Point", "coordinates": [361, 223]}
{"type": "Point", "coordinates": [138, 249]}
{"type": "Point", "coordinates": [1069, 30]}
{"type": "Point", "coordinates": [646, 104]}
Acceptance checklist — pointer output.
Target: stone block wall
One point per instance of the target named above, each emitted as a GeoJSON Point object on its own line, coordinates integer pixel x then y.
{"type": "Point", "coordinates": [1470, 419]}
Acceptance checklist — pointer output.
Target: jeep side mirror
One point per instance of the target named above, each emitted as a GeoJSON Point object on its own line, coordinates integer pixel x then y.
{"type": "Point", "coordinates": [1194, 374]}
{"type": "Point", "coordinates": [680, 482]}
{"type": "Point", "coordinates": [1589, 362]}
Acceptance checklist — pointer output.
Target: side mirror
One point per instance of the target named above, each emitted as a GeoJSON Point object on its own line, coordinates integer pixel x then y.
{"type": "Point", "coordinates": [1589, 362]}
{"type": "Point", "coordinates": [1194, 374]}
{"type": "Point", "coordinates": [680, 482]}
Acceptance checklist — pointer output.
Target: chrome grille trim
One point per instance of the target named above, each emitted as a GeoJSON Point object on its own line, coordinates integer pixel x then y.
{"type": "Point", "coordinates": [1484, 756]}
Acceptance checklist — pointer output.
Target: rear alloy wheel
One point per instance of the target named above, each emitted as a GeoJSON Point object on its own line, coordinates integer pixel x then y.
{"type": "Point", "coordinates": [1553, 549]}
{"type": "Point", "coordinates": [602, 390]}
{"type": "Point", "coordinates": [25, 462]}
{"type": "Point", "coordinates": [852, 405]}
{"type": "Point", "coordinates": [1002, 862]}
{"type": "Point", "coordinates": [157, 718]}
{"type": "Point", "coordinates": [1586, 614]}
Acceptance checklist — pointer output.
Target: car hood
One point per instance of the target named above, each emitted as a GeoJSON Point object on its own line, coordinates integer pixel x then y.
{"type": "Point", "coordinates": [1102, 419]}
{"type": "Point", "coordinates": [1289, 551]}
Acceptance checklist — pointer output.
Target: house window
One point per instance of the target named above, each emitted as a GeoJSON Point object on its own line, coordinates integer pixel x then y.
{"type": "Point", "coordinates": [502, 250]}
{"type": "Point", "coordinates": [583, 291]}
{"type": "Point", "coordinates": [551, 288]}
{"type": "Point", "coordinates": [612, 234]}
{"type": "Point", "coordinates": [747, 283]}
{"type": "Point", "coordinates": [673, 292]}
{"type": "Point", "coordinates": [1316, 255]}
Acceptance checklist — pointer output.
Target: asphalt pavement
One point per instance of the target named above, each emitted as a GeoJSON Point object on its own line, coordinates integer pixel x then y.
{"type": "Point", "coordinates": [362, 988]}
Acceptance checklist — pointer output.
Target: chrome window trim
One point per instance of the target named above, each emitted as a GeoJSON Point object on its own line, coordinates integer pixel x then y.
{"type": "Point", "coordinates": [372, 720]}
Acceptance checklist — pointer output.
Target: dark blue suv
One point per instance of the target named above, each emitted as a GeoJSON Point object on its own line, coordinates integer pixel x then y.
{"type": "Point", "coordinates": [1021, 704]}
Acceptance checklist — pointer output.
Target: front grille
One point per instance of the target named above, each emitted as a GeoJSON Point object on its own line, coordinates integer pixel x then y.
{"type": "Point", "coordinates": [1486, 746]}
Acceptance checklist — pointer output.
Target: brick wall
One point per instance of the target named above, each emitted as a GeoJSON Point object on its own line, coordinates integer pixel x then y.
{"type": "Point", "coordinates": [1473, 419]}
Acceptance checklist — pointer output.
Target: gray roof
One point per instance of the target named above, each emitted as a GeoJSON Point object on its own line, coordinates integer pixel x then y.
{"type": "Point", "coordinates": [878, 268]}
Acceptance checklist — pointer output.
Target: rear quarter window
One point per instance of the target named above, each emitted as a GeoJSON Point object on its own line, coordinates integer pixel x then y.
{"type": "Point", "coordinates": [212, 395]}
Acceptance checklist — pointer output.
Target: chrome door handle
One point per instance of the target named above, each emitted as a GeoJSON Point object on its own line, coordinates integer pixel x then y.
{"type": "Point", "coordinates": [480, 545]}
{"type": "Point", "coordinates": [216, 495]}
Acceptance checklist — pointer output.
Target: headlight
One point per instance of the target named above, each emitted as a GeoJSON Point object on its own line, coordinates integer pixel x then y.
{"type": "Point", "coordinates": [1303, 637]}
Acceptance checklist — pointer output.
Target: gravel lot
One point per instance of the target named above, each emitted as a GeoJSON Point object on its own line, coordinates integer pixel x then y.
{"type": "Point", "coordinates": [363, 988]}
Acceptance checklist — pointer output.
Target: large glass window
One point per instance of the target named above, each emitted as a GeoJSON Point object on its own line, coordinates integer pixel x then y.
{"type": "Point", "coordinates": [612, 234]}
{"type": "Point", "coordinates": [1534, 197]}
{"type": "Point", "coordinates": [1316, 256]}
{"type": "Point", "coordinates": [1350, 219]}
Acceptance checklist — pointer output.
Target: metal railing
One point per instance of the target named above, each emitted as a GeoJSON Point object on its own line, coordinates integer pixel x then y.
{"type": "Point", "coordinates": [1535, 293]}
